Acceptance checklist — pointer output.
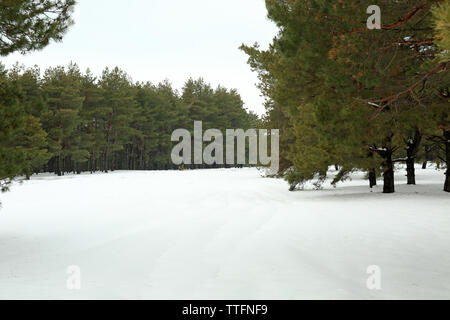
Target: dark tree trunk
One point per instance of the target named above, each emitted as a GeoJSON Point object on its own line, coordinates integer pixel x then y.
{"type": "Point", "coordinates": [424, 165]}
{"type": "Point", "coordinates": [387, 165]}
{"type": "Point", "coordinates": [412, 147]}
{"type": "Point", "coordinates": [372, 178]}
{"type": "Point", "coordinates": [447, 181]}
{"type": "Point", "coordinates": [447, 160]}
{"type": "Point", "coordinates": [105, 161]}
{"type": "Point", "coordinates": [388, 175]}
{"type": "Point", "coordinates": [388, 186]}
{"type": "Point", "coordinates": [427, 156]}
{"type": "Point", "coordinates": [58, 166]}
{"type": "Point", "coordinates": [410, 171]}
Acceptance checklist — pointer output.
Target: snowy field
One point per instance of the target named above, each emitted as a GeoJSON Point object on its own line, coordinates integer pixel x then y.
{"type": "Point", "coordinates": [222, 234]}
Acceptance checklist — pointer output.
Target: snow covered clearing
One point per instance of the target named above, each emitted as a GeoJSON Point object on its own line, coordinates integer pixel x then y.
{"type": "Point", "coordinates": [222, 234]}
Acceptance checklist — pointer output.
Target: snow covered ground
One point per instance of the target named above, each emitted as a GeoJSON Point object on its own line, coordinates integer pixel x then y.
{"type": "Point", "coordinates": [222, 234]}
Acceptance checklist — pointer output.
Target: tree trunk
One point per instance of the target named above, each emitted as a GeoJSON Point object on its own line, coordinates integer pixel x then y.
{"type": "Point", "coordinates": [410, 171]}
{"type": "Point", "coordinates": [412, 147]}
{"type": "Point", "coordinates": [372, 178]}
{"type": "Point", "coordinates": [387, 165]}
{"type": "Point", "coordinates": [58, 166]}
{"type": "Point", "coordinates": [427, 156]}
{"type": "Point", "coordinates": [105, 161]}
{"type": "Point", "coordinates": [388, 174]}
{"type": "Point", "coordinates": [447, 160]}
{"type": "Point", "coordinates": [447, 181]}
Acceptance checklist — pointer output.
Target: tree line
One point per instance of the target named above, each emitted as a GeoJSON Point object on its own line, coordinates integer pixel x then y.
{"type": "Point", "coordinates": [69, 121]}
{"type": "Point", "coordinates": [348, 96]}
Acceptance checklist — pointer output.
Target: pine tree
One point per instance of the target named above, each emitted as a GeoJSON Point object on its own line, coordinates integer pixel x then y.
{"type": "Point", "coordinates": [118, 107]}
{"type": "Point", "coordinates": [62, 117]}
{"type": "Point", "coordinates": [90, 128]}
{"type": "Point", "coordinates": [27, 25]}
{"type": "Point", "coordinates": [31, 137]}
{"type": "Point", "coordinates": [441, 110]}
{"type": "Point", "coordinates": [352, 91]}
{"type": "Point", "coordinates": [22, 139]}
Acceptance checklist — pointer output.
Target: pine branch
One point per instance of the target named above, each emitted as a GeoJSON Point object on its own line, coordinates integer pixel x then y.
{"type": "Point", "coordinates": [383, 103]}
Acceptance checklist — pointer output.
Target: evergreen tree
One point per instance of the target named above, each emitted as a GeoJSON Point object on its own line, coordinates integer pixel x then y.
{"type": "Point", "coordinates": [91, 125]}
{"type": "Point", "coordinates": [27, 25]}
{"type": "Point", "coordinates": [352, 91]}
{"type": "Point", "coordinates": [441, 111]}
{"type": "Point", "coordinates": [22, 139]}
{"type": "Point", "coordinates": [119, 107]}
{"type": "Point", "coordinates": [62, 117]}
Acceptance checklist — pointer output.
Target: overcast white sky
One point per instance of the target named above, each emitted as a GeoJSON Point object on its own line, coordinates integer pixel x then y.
{"type": "Point", "coordinates": [158, 39]}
